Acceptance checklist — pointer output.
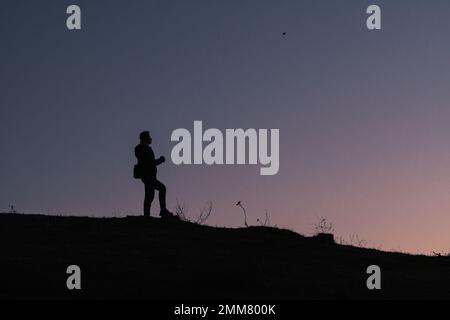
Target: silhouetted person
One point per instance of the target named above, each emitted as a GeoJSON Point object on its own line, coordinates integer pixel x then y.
{"type": "Point", "coordinates": [147, 164]}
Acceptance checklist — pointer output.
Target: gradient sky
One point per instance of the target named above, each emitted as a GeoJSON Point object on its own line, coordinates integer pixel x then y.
{"type": "Point", "coordinates": [363, 115]}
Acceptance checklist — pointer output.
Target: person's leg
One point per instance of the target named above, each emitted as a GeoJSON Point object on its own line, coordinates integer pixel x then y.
{"type": "Point", "coordinates": [149, 195]}
{"type": "Point", "coordinates": [161, 193]}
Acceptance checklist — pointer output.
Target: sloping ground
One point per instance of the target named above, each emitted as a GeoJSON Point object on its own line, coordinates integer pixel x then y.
{"type": "Point", "coordinates": [148, 258]}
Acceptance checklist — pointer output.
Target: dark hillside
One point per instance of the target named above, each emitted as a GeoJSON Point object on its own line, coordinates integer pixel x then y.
{"type": "Point", "coordinates": [148, 258]}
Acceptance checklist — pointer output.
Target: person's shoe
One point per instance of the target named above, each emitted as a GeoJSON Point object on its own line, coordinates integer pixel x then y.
{"type": "Point", "coordinates": [166, 214]}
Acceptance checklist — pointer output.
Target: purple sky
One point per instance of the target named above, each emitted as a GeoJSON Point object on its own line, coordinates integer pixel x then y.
{"type": "Point", "coordinates": [363, 115]}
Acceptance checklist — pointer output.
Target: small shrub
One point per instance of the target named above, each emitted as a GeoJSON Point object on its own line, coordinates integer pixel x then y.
{"type": "Point", "coordinates": [323, 226]}
{"type": "Point", "coordinates": [239, 204]}
{"type": "Point", "coordinates": [205, 212]}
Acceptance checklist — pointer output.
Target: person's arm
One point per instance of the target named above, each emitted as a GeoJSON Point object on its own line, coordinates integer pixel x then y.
{"type": "Point", "coordinates": [150, 158]}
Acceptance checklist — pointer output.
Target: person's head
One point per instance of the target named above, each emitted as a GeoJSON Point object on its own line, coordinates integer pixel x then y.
{"type": "Point", "coordinates": [145, 137]}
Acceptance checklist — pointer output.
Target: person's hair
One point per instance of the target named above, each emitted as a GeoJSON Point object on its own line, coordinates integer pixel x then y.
{"type": "Point", "coordinates": [144, 135]}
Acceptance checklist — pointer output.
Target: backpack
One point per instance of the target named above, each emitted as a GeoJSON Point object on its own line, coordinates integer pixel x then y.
{"type": "Point", "coordinates": [137, 172]}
